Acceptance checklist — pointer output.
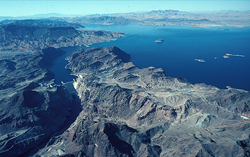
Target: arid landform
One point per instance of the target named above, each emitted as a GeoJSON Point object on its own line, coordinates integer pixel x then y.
{"type": "Point", "coordinates": [113, 108]}
{"type": "Point", "coordinates": [169, 17]}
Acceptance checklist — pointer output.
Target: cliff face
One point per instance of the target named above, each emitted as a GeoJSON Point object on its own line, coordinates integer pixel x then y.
{"type": "Point", "coordinates": [28, 35]}
{"type": "Point", "coordinates": [127, 111]}
{"type": "Point", "coordinates": [34, 32]}
{"type": "Point", "coordinates": [32, 107]}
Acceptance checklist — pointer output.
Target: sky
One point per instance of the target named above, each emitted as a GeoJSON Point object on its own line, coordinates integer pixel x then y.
{"type": "Point", "coordinates": [84, 7]}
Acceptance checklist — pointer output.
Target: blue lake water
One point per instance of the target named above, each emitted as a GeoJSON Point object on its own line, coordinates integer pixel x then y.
{"type": "Point", "coordinates": [58, 68]}
{"type": "Point", "coordinates": [181, 46]}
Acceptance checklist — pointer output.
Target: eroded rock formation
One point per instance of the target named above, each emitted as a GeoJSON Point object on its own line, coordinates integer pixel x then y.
{"type": "Point", "coordinates": [127, 111]}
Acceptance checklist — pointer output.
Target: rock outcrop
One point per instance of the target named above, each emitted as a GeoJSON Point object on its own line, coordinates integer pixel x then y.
{"type": "Point", "coordinates": [127, 111]}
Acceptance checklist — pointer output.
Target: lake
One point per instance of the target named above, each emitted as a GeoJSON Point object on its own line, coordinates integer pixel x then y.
{"type": "Point", "coordinates": [181, 46]}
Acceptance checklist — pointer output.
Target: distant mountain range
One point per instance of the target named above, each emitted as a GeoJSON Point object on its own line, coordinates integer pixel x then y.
{"type": "Point", "coordinates": [37, 16]}
{"type": "Point", "coordinates": [155, 17]}
{"type": "Point", "coordinates": [170, 17]}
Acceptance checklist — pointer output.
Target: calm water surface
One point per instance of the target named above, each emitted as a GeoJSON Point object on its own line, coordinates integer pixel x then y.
{"type": "Point", "coordinates": [58, 68]}
{"type": "Point", "coordinates": [181, 46]}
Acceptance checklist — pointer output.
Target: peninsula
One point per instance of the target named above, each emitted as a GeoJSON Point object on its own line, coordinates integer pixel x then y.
{"type": "Point", "coordinates": [30, 35]}
{"type": "Point", "coordinates": [127, 111]}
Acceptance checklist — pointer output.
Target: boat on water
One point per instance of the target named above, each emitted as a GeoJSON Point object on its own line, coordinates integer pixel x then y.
{"type": "Point", "coordinates": [159, 41]}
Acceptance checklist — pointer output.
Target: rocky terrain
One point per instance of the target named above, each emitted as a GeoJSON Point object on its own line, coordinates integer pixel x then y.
{"type": "Point", "coordinates": [30, 35]}
{"type": "Point", "coordinates": [127, 111]}
{"type": "Point", "coordinates": [115, 108]}
{"type": "Point", "coordinates": [170, 17]}
{"type": "Point", "coordinates": [32, 107]}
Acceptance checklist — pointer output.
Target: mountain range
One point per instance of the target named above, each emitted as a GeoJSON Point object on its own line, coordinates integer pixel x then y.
{"type": "Point", "coordinates": [170, 17]}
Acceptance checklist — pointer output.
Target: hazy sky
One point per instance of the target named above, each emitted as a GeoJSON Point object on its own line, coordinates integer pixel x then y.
{"type": "Point", "coordinates": [83, 7]}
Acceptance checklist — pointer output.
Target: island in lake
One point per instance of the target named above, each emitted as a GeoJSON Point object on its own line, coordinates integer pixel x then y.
{"type": "Point", "coordinates": [159, 41]}
{"type": "Point", "coordinates": [200, 60]}
{"type": "Point", "coordinates": [228, 54]}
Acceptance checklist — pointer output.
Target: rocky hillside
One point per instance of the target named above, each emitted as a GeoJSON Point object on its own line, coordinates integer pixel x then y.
{"type": "Point", "coordinates": [32, 107]}
{"type": "Point", "coordinates": [30, 35]}
{"type": "Point", "coordinates": [127, 111]}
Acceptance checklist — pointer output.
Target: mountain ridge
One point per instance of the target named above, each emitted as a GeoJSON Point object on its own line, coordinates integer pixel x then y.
{"type": "Point", "coordinates": [127, 111]}
{"type": "Point", "coordinates": [29, 35]}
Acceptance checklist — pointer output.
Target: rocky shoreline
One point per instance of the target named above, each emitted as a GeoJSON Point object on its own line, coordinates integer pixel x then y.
{"type": "Point", "coordinates": [127, 111]}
